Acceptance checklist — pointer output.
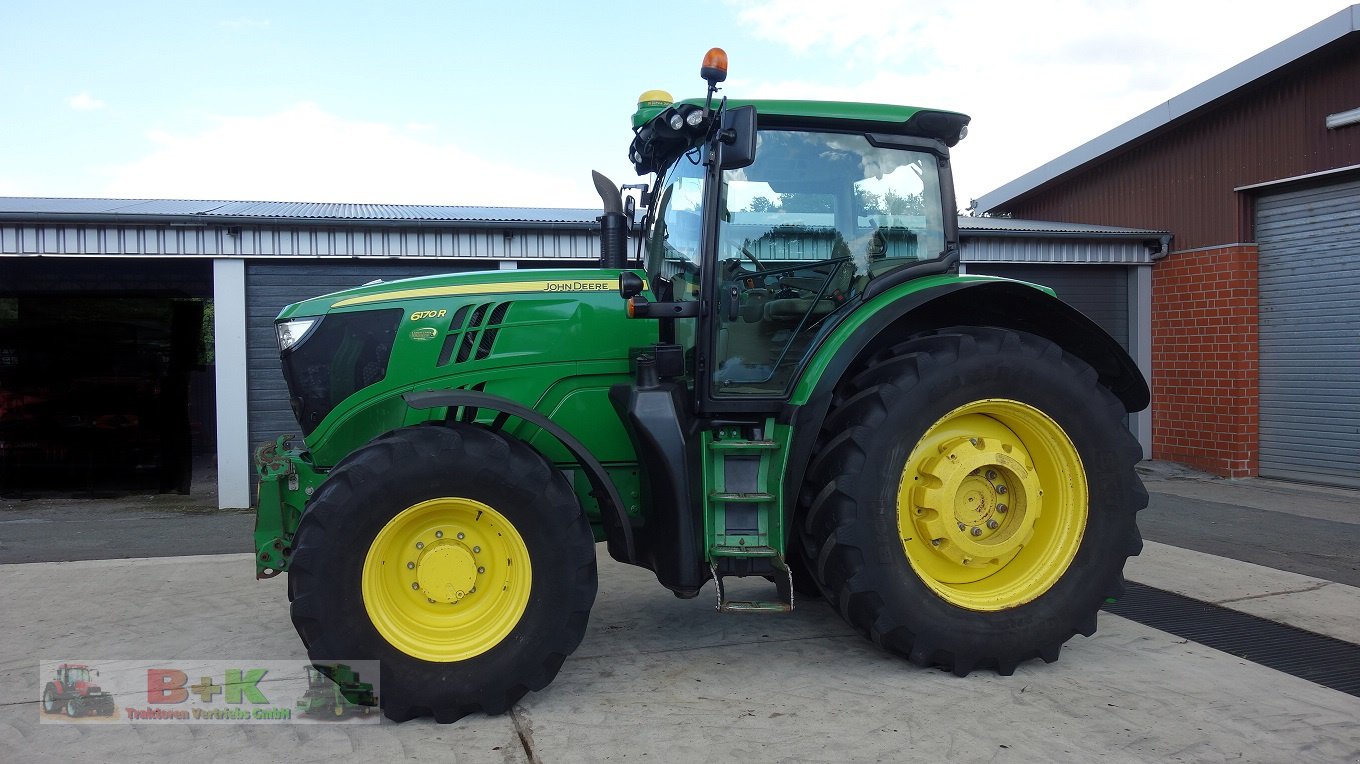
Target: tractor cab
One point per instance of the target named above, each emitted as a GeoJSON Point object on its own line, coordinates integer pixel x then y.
{"type": "Point", "coordinates": [770, 223]}
{"type": "Point", "coordinates": [771, 220]}
{"type": "Point", "coordinates": [71, 675]}
{"type": "Point", "coordinates": [796, 238]}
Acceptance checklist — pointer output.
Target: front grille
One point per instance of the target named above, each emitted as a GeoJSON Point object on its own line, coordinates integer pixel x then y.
{"type": "Point", "coordinates": [344, 353]}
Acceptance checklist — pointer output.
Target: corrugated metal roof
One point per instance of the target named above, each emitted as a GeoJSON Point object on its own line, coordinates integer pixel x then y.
{"type": "Point", "coordinates": [37, 208]}
{"type": "Point", "coordinates": [315, 210]}
{"type": "Point", "coordinates": [229, 211]}
{"type": "Point", "coordinates": [972, 226]}
{"type": "Point", "coordinates": [1327, 31]}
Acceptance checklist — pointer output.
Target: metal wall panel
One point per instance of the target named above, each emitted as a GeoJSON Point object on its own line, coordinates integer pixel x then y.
{"type": "Point", "coordinates": [1054, 249]}
{"type": "Point", "coordinates": [296, 241]}
{"type": "Point", "coordinates": [1101, 292]}
{"type": "Point", "coordinates": [269, 287]}
{"type": "Point", "coordinates": [1310, 334]}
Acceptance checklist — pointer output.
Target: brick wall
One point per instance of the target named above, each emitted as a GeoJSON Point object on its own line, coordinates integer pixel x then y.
{"type": "Point", "coordinates": [1205, 389]}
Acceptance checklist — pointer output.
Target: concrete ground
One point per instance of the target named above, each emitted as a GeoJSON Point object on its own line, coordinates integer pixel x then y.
{"type": "Point", "coordinates": [662, 679]}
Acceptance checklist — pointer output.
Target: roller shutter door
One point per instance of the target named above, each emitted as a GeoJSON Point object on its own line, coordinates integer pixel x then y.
{"type": "Point", "coordinates": [1099, 291]}
{"type": "Point", "coordinates": [1310, 334]}
{"type": "Point", "coordinates": [271, 286]}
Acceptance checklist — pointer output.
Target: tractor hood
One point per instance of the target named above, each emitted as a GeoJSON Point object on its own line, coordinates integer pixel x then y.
{"type": "Point", "coordinates": [387, 293]}
{"type": "Point", "coordinates": [349, 357]}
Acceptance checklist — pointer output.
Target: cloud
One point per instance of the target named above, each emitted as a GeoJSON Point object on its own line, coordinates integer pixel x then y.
{"type": "Point", "coordinates": [305, 153]}
{"type": "Point", "coordinates": [1038, 79]}
{"type": "Point", "coordinates": [84, 102]}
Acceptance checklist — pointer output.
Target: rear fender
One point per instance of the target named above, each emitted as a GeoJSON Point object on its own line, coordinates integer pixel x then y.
{"type": "Point", "coordinates": [937, 302]}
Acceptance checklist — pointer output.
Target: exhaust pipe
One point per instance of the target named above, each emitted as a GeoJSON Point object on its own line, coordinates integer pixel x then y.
{"type": "Point", "coordinates": [614, 224]}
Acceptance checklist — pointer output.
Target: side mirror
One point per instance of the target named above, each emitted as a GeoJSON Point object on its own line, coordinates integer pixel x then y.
{"type": "Point", "coordinates": [737, 136]}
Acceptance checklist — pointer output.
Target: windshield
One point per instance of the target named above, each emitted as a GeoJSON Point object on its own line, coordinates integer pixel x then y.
{"type": "Point", "coordinates": [673, 240]}
{"type": "Point", "coordinates": [823, 196]}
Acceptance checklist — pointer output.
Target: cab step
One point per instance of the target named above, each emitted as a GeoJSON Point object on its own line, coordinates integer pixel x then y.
{"type": "Point", "coordinates": [784, 605]}
{"type": "Point", "coordinates": [743, 445]}
{"type": "Point", "coordinates": [742, 498]}
{"type": "Point", "coordinates": [745, 551]}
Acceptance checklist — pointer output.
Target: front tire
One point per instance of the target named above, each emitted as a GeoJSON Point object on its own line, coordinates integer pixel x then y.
{"type": "Point", "coordinates": [973, 498]}
{"type": "Point", "coordinates": [456, 556]}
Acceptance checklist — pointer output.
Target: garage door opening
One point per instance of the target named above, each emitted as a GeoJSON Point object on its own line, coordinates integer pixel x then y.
{"type": "Point", "coordinates": [105, 390]}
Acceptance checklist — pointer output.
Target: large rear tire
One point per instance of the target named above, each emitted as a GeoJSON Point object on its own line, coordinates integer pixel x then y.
{"type": "Point", "coordinates": [456, 556]}
{"type": "Point", "coordinates": [973, 498]}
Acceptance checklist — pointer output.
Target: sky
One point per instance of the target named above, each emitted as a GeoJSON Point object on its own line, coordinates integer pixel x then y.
{"type": "Point", "coordinates": [513, 103]}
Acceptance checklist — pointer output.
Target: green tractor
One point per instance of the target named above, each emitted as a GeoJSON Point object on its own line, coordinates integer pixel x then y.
{"type": "Point", "coordinates": [797, 384]}
{"type": "Point", "coordinates": [334, 692]}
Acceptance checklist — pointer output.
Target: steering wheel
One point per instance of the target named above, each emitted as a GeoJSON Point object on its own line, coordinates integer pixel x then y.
{"type": "Point", "coordinates": [746, 253]}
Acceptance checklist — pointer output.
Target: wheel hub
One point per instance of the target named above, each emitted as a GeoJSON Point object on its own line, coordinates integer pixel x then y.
{"type": "Point", "coordinates": [990, 485]}
{"type": "Point", "coordinates": [446, 572]}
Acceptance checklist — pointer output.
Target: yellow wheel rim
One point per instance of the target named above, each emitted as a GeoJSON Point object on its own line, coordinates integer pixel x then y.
{"type": "Point", "coordinates": [446, 579]}
{"type": "Point", "coordinates": [992, 505]}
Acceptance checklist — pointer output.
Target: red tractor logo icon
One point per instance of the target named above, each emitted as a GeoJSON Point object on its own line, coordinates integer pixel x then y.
{"type": "Point", "coordinates": [73, 692]}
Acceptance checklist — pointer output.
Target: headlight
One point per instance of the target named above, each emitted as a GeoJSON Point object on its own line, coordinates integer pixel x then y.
{"type": "Point", "coordinates": [291, 332]}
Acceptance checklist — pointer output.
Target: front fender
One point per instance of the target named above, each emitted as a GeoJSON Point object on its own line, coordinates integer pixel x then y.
{"type": "Point", "coordinates": [613, 512]}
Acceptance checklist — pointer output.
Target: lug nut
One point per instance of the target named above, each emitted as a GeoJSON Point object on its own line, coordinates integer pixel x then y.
{"type": "Point", "coordinates": [460, 535]}
{"type": "Point", "coordinates": [439, 534]}
{"type": "Point", "coordinates": [1002, 508]}
{"type": "Point", "coordinates": [476, 550]}
{"type": "Point", "coordinates": [973, 441]}
{"type": "Point", "coordinates": [427, 599]}
{"type": "Point", "coordinates": [473, 590]}
{"type": "Point", "coordinates": [481, 570]}
{"type": "Point", "coordinates": [935, 542]}
{"type": "Point", "coordinates": [991, 474]}
{"type": "Point", "coordinates": [961, 526]}
{"type": "Point", "coordinates": [992, 524]}
{"type": "Point", "coordinates": [410, 566]}
{"type": "Point", "coordinates": [977, 531]}
{"type": "Point", "coordinates": [420, 545]}
{"type": "Point", "coordinates": [415, 584]}
{"type": "Point", "coordinates": [1001, 489]}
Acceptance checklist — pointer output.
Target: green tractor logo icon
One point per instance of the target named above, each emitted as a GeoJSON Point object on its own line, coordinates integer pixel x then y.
{"type": "Point", "coordinates": [336, 692]}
